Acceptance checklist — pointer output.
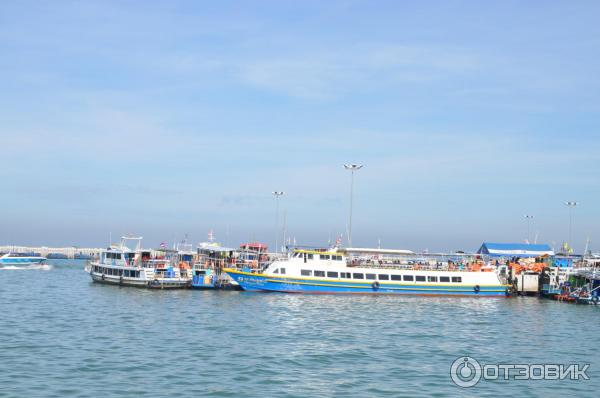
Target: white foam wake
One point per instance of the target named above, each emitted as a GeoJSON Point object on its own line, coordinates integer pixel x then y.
{"type": "Point", "coordinates": [43, 267]}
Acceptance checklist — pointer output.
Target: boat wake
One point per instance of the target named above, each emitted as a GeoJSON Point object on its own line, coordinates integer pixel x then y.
{"type": "Point", "coordinates": [42, 267]}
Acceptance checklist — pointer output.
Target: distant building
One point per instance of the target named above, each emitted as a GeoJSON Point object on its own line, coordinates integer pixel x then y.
{"type": "Point", "coordinates": [515, 250]}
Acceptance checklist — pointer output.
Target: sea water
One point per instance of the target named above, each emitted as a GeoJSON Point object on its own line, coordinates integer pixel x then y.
{"type": "Point", "coordinates": [62, 335]}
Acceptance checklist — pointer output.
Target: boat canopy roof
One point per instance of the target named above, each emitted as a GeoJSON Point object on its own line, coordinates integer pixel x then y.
{"type": "Point", "coordinates": [364, 250]}
{"type": "Point", "coordinates": [217, 249]}
{"type": "Point", "coordinates": [334, 253]}
{"type": "Point", "coordinates": [515, 249]}
{"type": "Point", "coordinates": [254, 245]}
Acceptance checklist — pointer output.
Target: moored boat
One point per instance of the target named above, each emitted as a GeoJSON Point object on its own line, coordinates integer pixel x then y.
{"type": "Point", "coordinates": [320, 271]}
{"type": "Point", "coordinates": [119, 265]}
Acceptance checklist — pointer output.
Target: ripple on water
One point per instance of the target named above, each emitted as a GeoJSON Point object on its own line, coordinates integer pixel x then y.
{"type": "Point", "coordinates": [61, 335]}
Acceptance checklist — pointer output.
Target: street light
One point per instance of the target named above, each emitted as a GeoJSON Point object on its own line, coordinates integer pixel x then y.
{"type": "Point", "coordinates": [528, 217]}
{"type": "Point", "coordinates": [571, 205]}
{"type": "Point", "coordinates": [277, 194]}
{"type": "Point", "coordinates": [352, 168]}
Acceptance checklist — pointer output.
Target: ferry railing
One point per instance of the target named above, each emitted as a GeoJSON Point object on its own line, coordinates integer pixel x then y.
{"type": "Point", "coordinates": [423, 267]}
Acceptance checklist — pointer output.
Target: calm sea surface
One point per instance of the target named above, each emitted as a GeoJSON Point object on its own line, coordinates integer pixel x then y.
{"type": "Point", "coordinates": [62, 335]}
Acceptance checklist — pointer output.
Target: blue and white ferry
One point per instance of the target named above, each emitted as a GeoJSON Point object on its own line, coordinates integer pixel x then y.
{"type": "Point", "coordinates": [20, 260]}
{"type": "Point", "coordinates": [333, 271]}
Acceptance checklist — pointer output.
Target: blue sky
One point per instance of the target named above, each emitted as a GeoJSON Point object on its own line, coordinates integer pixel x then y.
{"type": "Point", "coordinates": [166, 118]}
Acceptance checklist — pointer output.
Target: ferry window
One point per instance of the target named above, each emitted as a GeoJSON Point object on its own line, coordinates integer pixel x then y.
{"type": "Point", "coordinates": [310, 256]}
{"type": "Point", "coordinates": [409, 278]}
{"type": "Point", "coordinates": [306, 272]}
{"type": "Point", "coordinates": [319, 273]}
{"type": "Point", "coordinates": [432, 279]}
{"type": "Point", "coordinates": [345, 275]}
{"type": "Point", "coordinates": [457, 279]}
{"type": "Point", "coordinates": [420, 278]}
{"type": "Point", "coordinates": [384, 277]}
{"type": "Point", "coordinates": [370, 276]}
{"type": "Point", "coordinates": [324, 256]}
{"type": "Point", "coordinates": [396, 277]}
{"type": "Point", "coordinates": [444, 279]}
{"type": "Point", "coordinates": [118, 256]}
{"type": "Point", "coordinates": [282, 271]}
{"type": "Point", "coordinates": [276, 271]}
{"type": "Point", "coordinates": [332, 274]}
{"type": "Point", "coordinates": [358, 276]}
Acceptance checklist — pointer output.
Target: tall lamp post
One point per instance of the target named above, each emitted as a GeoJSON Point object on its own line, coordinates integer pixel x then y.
{"type": "Point", "coordinates": [352, 168]}
{"type": "Point", "coordinates": [528, 217]}
{"type": "Point", "coordinates": [277, 195]}
{"type": "Point", "coordinates": [571, 205]}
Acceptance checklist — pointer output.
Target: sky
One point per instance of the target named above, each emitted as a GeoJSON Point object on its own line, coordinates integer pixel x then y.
{"type": "Point", "coordinates": [168, 118]}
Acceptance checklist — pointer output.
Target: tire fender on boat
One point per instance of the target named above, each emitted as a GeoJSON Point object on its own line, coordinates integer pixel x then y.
{"type": "Point", "coordinates": [103, 277]}
{"type": "Point", "coordinates": [595, 299]}
{"type": "Point", "coordinates": [375, 285]}
{"type": "Point", "coordinates": [476, 289]}
{"type": "Point", "coordinates": [121, 280]}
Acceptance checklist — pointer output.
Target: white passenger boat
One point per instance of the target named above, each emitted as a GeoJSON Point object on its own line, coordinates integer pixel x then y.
{"type": "Point", "coordinates": [334, 271]}
{"type": "Point", "coordinates": [120, 265]}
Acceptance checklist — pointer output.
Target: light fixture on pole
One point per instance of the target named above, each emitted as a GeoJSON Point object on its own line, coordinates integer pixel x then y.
{"type": "Point", "coordinates": [277, 195]}
{"type": "Point", "coordinates": [528, 217]}
{"type": "Point", "coordinates": [571, 205]}
{"type": "Point", "coordinates": [352, 168]}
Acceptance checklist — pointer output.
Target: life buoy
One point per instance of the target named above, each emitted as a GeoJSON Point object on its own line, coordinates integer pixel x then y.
{"type": "Point", "coordinates": [375, 285]}
{"type": "Point", "coordinates": [476, 289]}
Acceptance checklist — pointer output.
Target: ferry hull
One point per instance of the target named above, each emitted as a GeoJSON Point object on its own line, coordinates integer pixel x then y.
{"type": "Point", "coordinates": [261, 282]}
{"type": "Point", "coordinates": [134, 282]}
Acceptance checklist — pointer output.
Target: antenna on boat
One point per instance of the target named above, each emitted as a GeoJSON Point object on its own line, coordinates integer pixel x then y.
{"type": "Point", "coordinates": [587, 244]}
{"type": "Point", "coordinates": [277, 195]}
{"type": "Point", "coordinates": [352, 168]}
{"type": "Point", "coordinates": [284, 226]}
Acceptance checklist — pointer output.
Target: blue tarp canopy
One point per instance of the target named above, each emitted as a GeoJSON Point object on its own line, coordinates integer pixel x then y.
{"type": "Point", "coordinates": [515, 249]}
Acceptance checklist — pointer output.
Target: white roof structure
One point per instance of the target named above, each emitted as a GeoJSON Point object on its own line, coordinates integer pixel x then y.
{"type": "Point", "coordinates": [367, 250]}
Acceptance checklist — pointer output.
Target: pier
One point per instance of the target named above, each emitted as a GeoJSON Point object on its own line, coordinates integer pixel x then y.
{"type": "Point", "coordinates": [69, 252]}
